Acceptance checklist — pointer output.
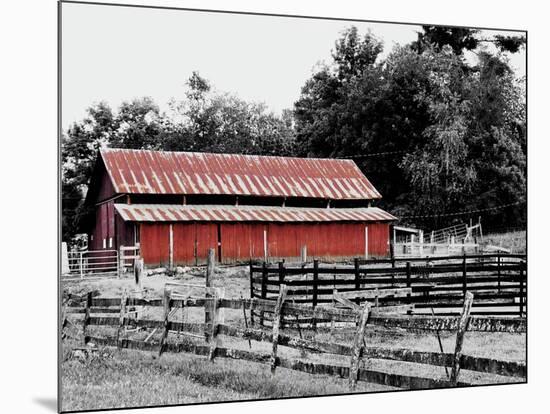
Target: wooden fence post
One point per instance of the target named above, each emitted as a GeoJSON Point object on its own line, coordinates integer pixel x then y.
{"type": "Point", "coordinates": [408, 268]}
{"type": "Point", "coordinates": [251, 294]}
{"type": "Point", "coordinates": [303, 254]}
{"type": "Point", "coordinates": [464, 275]}
{"type": "Point", "coordinates": [498, 271]}
{"type": "Point", "coordinates": [522, 266]}
{"type": "Point", "coordinates": [357, 347]}
{"type": "Point", "coordinates": [121, 267]}
{"type": "Point", "coordinates": [123, 304]}
{"type": "Point", "coordinates": [207, 295]}
{"type": "Point", "coordinates": [264, 289]}
{"type": "Point", "coordinates": [166, 302]}
{"type": "Point", "coordinates": [277, 317]}
{"type": "Point", "coordinates": [315, 289]}
{"type": "Point", "coordinates": [213, 327]}
{"type": "Point", "coordinates": [138, 273]}
{"type": "Point", "coordinates": [462, 327]}
{"type": "Point", "coordinates": [86, 315]}
{"type": "Point", "coordinates": [357, 276]}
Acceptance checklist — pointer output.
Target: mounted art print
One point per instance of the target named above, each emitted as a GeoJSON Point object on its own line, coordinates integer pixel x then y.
{"type": "Point", "coordinates": [261, 207]}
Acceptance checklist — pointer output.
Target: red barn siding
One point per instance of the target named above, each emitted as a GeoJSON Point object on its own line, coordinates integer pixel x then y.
{"type": "Point", "coordinates": [184, 243]}
{"type": "Point", "coordinates": [154, 243]}
{"type": "Point", "coordinates": [379, 239]}
{"type": "Point", "coordinates": [207, 238]}
{"type": "Point", "coordinates": [245, 241]}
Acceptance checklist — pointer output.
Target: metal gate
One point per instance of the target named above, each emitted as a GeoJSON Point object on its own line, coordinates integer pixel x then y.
{"type": "Point", "coordinates": [92, 264]}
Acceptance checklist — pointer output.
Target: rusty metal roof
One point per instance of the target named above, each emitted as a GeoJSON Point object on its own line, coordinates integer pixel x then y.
{"type": "Point", "coordinates": [178, 212]}
{"type": "Point", "coordinates": [159, 172]}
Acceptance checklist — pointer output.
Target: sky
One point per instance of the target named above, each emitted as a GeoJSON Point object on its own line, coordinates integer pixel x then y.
{"type": "Point", "coordinates": [115, 54]}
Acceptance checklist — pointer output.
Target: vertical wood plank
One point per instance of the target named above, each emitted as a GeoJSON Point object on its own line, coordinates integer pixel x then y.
{"type": "Point", "coordinates": [357, 275]}
{"type": "Point", "coordinates": [86, 316]}
{"type": "Point", "coordinates": [315, 293]}
{"type": "Point", "coordinates": [207, 295]}
{"type": "Point", "coordinates": [251, 293]}
{"type": "Point", "coordinates": [166, 304]}
{"type": "Point", "coordinates": [264, 289]}
{"type": "Point", "coordinates": [464, 275]}
{"type": "Point", "coordinates": [462, 327]}
{"type": "Point", "coordinates": [521, 284]}
{"type": "Point", "coordinates": [123, 304]}
{"type": "Point", "coordinates": [214, 311]}
{"type": "Point", "coordinates": [358, 344]}
{"type": "Point", "coordinates": [277, 317]}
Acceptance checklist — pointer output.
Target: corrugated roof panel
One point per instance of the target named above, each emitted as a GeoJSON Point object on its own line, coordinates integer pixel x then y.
{"type": "Point", "coordinates": [155, 172]}
{"type": "Point", "coordinates": [176, 212]}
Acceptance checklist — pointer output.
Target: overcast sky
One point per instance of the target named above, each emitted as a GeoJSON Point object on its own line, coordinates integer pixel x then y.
{"type": "Point", "coordinates": [118, 53]}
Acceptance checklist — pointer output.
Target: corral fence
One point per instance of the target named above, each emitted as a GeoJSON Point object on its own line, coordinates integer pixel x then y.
{"type": "Point", "coordinates": [95, 264]}
{"type": "Point", "coordinates": [92, 264]}
{"type": "Point", "coordinates": [168, 333]}
{"type": "Point", "coordinates": [437, 284]}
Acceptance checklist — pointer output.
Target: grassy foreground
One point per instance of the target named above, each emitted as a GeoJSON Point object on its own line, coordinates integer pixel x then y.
{"type": "Point", "coordinates": [128, 378]}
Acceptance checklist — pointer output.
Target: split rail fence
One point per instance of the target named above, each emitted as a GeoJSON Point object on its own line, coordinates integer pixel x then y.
{"type": "Point", "coordinates": [122, 315]}
{"type": "Point", "coordinates": [499, 282]}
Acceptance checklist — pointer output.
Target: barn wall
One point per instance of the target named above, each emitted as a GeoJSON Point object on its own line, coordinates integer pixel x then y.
{"type": "Point", "coordinates": [154, 243]}
{"type": "Point", "coordinates": [245, 241]}
{"type": "Point", "coordinates": [379, 239]}
{"type": "Point", "coordinates": [104, 228]}
{"type": "Point", "coordinates": [184, 235]}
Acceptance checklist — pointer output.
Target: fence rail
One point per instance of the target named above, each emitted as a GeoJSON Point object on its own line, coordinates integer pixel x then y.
{"type": "Point", "coordinates": [96, 312]}
{"type": "Point", "coordinates": [440, 283]}
{"type": "Point", "coordinates": [92, 264]}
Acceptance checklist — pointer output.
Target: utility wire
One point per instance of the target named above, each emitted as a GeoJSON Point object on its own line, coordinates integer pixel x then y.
{"type": "Point", "coordinates": [462, 213]}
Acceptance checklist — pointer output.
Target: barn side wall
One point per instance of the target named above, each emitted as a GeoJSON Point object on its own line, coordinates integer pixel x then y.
{"type": "Point", "coordinates": [245, 241]}
{"type": "Point", "coordinates": [103, 236]}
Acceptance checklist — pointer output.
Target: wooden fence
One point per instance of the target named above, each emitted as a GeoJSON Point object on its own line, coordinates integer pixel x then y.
{"type": "Point", "coordinates": [499, 282]}
{"type": "Point", "coordinates": [121, 314]}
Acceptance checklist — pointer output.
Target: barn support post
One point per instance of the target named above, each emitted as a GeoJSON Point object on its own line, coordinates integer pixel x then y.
{"type": "Point", "coordinates": [462, 327]}
{"type": "Point", "coordinates": [303, 254]}
{"type": "Point", "coordinates": [207, 295]}
{"type": "Point", "coordinates": [366, 242]}
{"type": "Point", "coordinates": [265, 244]}
{"type": "Point", "coordinates": [171, 247]}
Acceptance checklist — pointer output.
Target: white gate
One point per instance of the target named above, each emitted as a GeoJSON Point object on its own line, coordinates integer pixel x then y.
{"type": "Point", "coordinates": [92, 264]}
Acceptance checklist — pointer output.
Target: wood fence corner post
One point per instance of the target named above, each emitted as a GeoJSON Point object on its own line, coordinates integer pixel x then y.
{"type": "Point", "coordinates": [207, 295]}
{"type": "Point", "coordinates": [464, 276]}
{"type": "Point", "coordinates": [86, 315]}
{"type": "Point", "coordinates": [123, 304]}
{"type": "Point", "coordinates": [277, 317]}
{"type": "Point", "coordinates": [214, 327]}
{"type": "Point", "coordinates": [462, 327]}
{"type": "Point", "coordinates": [166, 301]}
{"type": "Point", "coordinates": [358, 347]}
{"type": "Point", "coordinates": [251, 293]}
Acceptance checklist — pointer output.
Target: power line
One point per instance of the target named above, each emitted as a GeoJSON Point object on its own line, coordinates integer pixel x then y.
{"type": "Point", "coordinates": [467, 212]}
{"type": "Point", "coordinates": [374, 154]}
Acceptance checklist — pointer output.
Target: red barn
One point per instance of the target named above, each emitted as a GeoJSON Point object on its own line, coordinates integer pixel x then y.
{"type": "Point", "coordinates": [177, 205]}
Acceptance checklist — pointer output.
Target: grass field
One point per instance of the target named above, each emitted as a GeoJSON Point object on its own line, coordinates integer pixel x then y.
{"type": "Point", "coordinates": [515, 241]}
{"type": "Point", "coordinates": [127, 378]}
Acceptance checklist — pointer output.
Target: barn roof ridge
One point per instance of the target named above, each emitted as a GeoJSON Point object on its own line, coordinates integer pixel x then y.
{"type": "Point", "coordinates": [135, 171]}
